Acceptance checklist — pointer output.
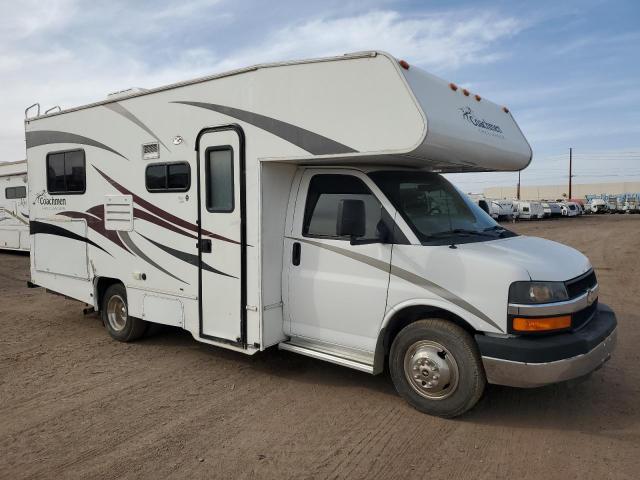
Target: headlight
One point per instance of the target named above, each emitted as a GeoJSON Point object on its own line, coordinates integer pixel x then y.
{"type": "Point", "coordinates": [537, 292]}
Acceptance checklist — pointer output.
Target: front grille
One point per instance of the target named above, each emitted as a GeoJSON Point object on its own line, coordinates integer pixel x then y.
{"type": "Point", "coordinates": [579, 285]}
{"type": "Point", "coordinates": [580, 318]}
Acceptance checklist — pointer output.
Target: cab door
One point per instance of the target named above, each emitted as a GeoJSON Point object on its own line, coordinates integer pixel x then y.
{"type": "Point", "coordinates": [221, 236]}
{"type": "Point", "coordinates": [337, 291]}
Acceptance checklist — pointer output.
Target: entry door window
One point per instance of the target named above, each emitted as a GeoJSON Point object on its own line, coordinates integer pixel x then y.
{"type": "Point", "coordinates": [219, 180]}
{"type": "Point", "coordinates": [323, 201]}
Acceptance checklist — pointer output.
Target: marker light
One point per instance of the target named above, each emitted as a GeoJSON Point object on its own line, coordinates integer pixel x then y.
{"type": "Point", "coordinates": [505, 109]}
{"type": "Point", "coordinates": [404, 64]}
{"type": "Point", "coordinates": [478, 97]}
{"type": "Point", "coordinates": [453, 86]}
{"type": "Point", "coordinates": [466, 92]}
{"type": "Point", "coordinates": [541, 324]}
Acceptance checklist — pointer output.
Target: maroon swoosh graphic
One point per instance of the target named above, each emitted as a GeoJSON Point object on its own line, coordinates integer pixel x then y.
{"type": "Point", "coordinates": [162, 213]}
{"type": "Point", "coordinates": [144, 215]}
{"type": "Point", "coordinates": [96, 224]}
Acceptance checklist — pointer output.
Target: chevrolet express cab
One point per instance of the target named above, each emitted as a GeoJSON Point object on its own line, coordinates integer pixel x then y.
{"type": "Point", "coordinates": [301, 206]}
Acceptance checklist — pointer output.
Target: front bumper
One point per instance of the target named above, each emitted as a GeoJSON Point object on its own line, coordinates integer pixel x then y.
{"type": "Point", "coordinates": [534, 361]}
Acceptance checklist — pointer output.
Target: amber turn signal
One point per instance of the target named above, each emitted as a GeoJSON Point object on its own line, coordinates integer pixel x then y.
{"type": "Point", "coordinates": [541, 324]}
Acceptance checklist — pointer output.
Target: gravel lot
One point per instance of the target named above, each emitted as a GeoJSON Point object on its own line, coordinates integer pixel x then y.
{"type": "Point", "coordinates": [75, 404]}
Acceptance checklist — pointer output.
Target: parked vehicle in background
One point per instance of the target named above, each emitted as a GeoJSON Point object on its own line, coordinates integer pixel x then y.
{"type": "Point", "coordinates": [529, 210]}
{"type": "Point", "coordinates": [237, 208]}
{"type": "Point", "coordinates": [570, 209]}
{"type": "Point", "coordinates": [551, 209]}
{"type": "Point", "coordinates": [631, 204]}
{"type": "Point", "coordinates": [597, 205]}
{"type": "Point", "coordinates": [14, 206]}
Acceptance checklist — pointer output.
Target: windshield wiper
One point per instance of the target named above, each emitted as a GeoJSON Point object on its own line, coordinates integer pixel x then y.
{"type": "Point", "coordinates": [499, 229]}
{"type": "Point", "coordinates": [462, 231]}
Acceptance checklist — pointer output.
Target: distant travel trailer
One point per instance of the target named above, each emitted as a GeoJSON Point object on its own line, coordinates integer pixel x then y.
{"type": "Point", "coordinates": [597, 205]}
{"type": "Point", "coordinates": [570, 209]}
{"type": "Point", "coordinates": [551, 209]}
{"type": "Point", "coordinates": [296, 205]}
{"type": "Point", "coordinates": [529, 210]}
{"type": "Point", "coordinates": [14, 207]}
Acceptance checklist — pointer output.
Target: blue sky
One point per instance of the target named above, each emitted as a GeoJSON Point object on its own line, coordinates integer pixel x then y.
{"type": "Point", "coordinates": [569, 71]}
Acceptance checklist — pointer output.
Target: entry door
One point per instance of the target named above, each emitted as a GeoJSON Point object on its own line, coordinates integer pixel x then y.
{"type": "Point", "coordinates": [337, 291]}
{"type": "Point", "coordinates": [221, 236]}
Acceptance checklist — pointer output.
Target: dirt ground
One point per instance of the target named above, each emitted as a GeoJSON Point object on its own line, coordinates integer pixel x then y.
{"type": "Point", "coordinates": [76, 404]}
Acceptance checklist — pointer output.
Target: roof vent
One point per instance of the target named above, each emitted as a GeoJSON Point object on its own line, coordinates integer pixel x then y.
{"type": "Point", "coordinates": [150, 151]}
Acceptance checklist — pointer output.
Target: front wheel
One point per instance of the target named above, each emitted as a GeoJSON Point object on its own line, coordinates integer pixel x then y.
{"type": "Point", "coordinates": [115, 315]}
{"type": "Point", "coordinates": [436, 367]}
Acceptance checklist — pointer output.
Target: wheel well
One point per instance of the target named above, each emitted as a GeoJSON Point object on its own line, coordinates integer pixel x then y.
{"type": "Point", "coordinates": [403, 318]}
{"type": "Point", "coordinates": [101, 287]}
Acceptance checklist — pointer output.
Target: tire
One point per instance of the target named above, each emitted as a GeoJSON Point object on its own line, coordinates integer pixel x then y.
{"type": "Point", "coordinates": [457, 361]}
{"type": "Point", "coordinates": [115, 317]}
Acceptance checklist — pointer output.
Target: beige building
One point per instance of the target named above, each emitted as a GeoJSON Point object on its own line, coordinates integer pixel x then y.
{"type": "Point", "coordinates": [554, 192]}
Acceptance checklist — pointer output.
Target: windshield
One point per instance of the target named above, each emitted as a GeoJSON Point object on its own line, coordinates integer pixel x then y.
{"type": "Point", "coordinates": [435, 209]}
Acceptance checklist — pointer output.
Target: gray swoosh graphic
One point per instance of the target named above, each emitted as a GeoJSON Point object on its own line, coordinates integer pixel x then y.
{"type": "Point", "coordinates": [126, 239]}
{"type": "Point", "coordinates": [46, 137]}
{"type": "Point", "coordinates": [186, 257]}
{"type": "Point", "coordinates": [407, 276]}
{"type": "Point", "coordinates": [311, 142]}
{"type": "Point", "coordinates": [119, 109]}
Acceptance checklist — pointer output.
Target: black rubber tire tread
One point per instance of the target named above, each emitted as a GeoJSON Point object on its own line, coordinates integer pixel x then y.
{"type": "Point", "coordinates": [460, 343]}
{"type": "Point", "coordinates": [134, 329]}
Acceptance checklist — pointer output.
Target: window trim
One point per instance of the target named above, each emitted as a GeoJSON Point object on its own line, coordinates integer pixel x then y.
{"type": "Point", "coordinates": [306, 204]}
{"type": "Point", "coordinates": [166, 169]}
{"type": "Point", "coordinates": [84, 165]}
{"type": "Point", "coordinates": [14, 187]}
{"type": "Point", "coordinates": [207, 176]}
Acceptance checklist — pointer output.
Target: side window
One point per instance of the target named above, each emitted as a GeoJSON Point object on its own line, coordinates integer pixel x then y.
{"type": "Point", "coordinates": [11, 193]}
{"type": "Point", "coordinates": [219, 180]}
{"type": "Point", "coordinates": [66, 172]}
{"type": "Point", "coordinates": [168, 177]}
{"type": "Point", "coordinates": [323, 199]}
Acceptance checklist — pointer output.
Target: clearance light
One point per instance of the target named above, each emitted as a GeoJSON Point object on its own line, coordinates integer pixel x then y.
{"type": "Point", "coordinates": [478, 97]}
{"type": "Point", "coordinates": [541, 324]}
{"type": "Point", "coordinates": [453, 86]}
{"type": "Point", "coordinates": [404, 64]}
{"type": "Point", "coordinates": [505, 109]}
{"type": "Point", "coordinates": [466, 92]}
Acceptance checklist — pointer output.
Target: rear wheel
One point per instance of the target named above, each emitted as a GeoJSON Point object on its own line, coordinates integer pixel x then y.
{"type": "Point", "coordinates": [115, 316]}
{"type": "Point", "coordinates": [436, 367]}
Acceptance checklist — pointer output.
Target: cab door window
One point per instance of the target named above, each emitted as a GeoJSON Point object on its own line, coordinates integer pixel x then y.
{"type": "Point", "coordinates": [323, 199]}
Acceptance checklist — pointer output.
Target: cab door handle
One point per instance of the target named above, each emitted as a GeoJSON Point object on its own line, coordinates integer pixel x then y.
{"type": "Point", "coordinates": [295, 253]}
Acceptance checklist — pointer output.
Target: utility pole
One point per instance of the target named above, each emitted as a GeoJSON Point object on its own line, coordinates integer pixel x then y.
{"type": "Point", "coordinates": [518, 191]}
{"type": "Point", "coordinates": [570, 170]}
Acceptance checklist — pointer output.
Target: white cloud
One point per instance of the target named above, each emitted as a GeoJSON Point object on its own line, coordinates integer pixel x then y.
{"type": "Point", "coordinates": [439, 41]}
{"type": "Point", "coordinates": [71, 52]}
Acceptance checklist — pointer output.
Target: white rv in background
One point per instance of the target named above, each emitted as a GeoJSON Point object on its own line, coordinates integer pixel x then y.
{"type": "Point", "coordinates": [529, 210]}
{"type": "Point", "coordinates": [296, 205]}
{"type": "Point", "coordinates": [14, 207]}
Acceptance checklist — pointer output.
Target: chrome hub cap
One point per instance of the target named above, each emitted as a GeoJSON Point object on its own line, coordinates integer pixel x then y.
{"type": "Point", "coordinates": [431, 370]}
{"type": "Point", "coordinates": [117, 313]}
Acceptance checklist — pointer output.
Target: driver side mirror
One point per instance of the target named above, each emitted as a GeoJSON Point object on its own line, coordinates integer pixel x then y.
{"type": "Point", "coordinates": [351, 219]}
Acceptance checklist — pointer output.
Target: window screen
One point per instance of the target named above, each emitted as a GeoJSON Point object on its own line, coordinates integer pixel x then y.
{"type": "Point", "coordinates": [323, 199]}
{"type": "Point", "coordinates": [66, 172]}
{"type": "Point", "coordinates": [11, 193]}
{"type": "Point", "coordinates": [219, 181]}
{"type": "Point", "coordinates": [168, 177]}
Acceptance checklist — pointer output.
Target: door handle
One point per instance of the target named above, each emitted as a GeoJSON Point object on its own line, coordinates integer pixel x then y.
{"type": "Point", "coordinates": [204, 245]}
{"type": "Point", "coordinates": [295, 253]}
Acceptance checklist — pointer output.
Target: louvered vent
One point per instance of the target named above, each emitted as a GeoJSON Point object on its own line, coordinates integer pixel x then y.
{"type": "Point", "coordinates": [118, 212]}
{"type": "Point", "coordinates": [150, 151]}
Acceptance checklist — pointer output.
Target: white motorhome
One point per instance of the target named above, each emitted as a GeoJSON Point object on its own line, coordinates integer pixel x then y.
{"type": "Point", "coordinates": [597, 205]}
{"type": "Point", "coordinates": [529, 210]}
{"type": "Point", "coordinates": [551, 209]}
{"type": "Point", "coordinates": [14, 208]}
{"type": "Point", "coordinates": [570, 209]}
{"type": "Point", "coordinates": [297, 205]}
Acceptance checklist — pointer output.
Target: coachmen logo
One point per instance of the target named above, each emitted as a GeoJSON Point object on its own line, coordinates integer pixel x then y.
{"type": "Point", "coordinates": [46, 201]}
{"type": "Point", "coordinates": [470, 117]}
